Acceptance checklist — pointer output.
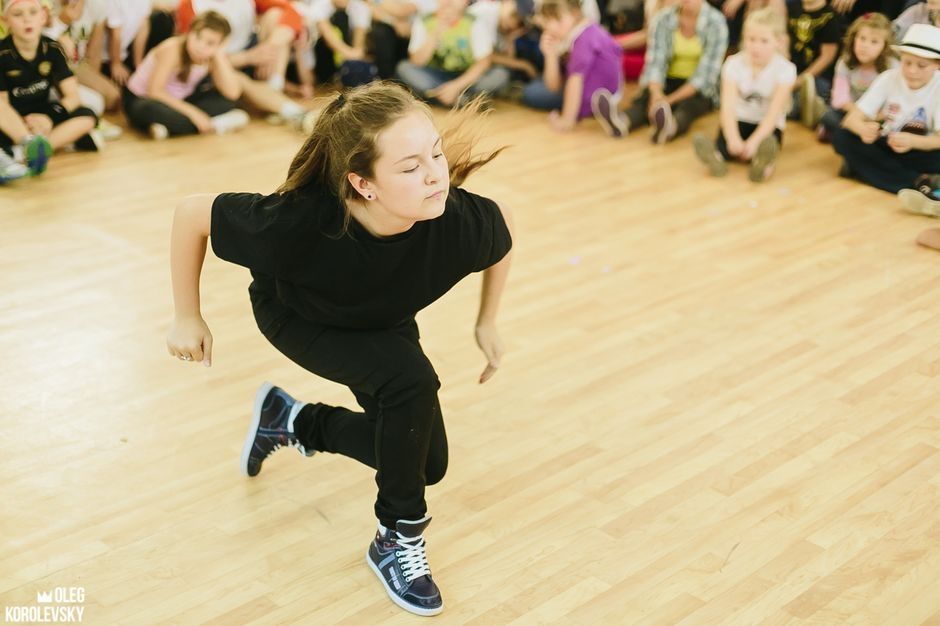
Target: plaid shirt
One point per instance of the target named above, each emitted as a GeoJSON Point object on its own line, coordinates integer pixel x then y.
{"type": "Point", "coordinates": [712, 30]}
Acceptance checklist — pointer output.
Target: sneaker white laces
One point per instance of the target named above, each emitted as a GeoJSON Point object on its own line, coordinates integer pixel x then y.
{"type": "Point", "coordinates": [279, 445]}
{"type": "Point", "coordinates": [412, 558]}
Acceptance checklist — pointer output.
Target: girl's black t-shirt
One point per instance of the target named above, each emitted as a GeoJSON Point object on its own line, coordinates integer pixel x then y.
{"type": "Point", "coordinates": [294, 246]}
{"type": "Point", "coordinates": [28, 83]}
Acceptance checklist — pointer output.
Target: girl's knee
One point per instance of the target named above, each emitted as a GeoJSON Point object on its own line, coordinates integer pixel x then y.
{"type": "Point", "coordinates": [435, 470]}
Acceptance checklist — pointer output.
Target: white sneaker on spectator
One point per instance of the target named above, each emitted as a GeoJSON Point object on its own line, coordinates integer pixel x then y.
{"type": "Point", "coordinates": [109, 131]}
{"type": "Point", "coordinates": [159, 132]}
{"type": "Point", "coordinates": [228, 122]}
{"type": "Point", "coordinates": [10, 169]}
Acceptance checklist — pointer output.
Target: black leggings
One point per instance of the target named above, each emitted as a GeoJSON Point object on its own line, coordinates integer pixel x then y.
{"type": "Point", "coordinates": [880, 166]}
{"type": "Point", "coordinates": [142, 112]}
{"type": "Point", "coordinates": [55, 112]}
{"type": "Point", "coordinates": [685, 112]}
{"type": "Point", "coordinates": [389, 49]}
{"type": "Point", "coordinates": [745, 129]}
{"type": "Point", "coordinates": [400, 431]}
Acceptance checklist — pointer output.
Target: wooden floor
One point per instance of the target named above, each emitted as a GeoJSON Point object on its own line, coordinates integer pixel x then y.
{"type": "Point", "coordinates": [720, 402]}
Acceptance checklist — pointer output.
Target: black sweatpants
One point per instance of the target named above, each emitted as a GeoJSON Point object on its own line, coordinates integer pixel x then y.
{"type": "Point", "coordinates": [746, 129]}
{"type": "Point", "coordinates": [142, 112]}
{"type": "Point", "coordinates": [685, 112]}
{"type": "Point", "coordinates": [880, 166]}
{"type": "Point", "coordinates": [400, 431]}
{"type": "Point", "coordinates": [56, 113]}
{"type": "Point", "coordinates": [388, 48]}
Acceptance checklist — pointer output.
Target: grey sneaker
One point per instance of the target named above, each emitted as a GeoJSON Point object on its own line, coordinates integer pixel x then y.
{"type": "Point", "coordinates": [812, 107]}
{"type": "Point", "coordinates": [604, 108]}
{"type": "Point", "coordinates": [398, 558]}
{"type": "Point", "coordinates": [763, 163]}
{"type": "Point", "coordinates": [708, 154]}
{"type": "Point", "coordinates": [664, 124]}
{"type": "Point", "coordinates": [272, 428]}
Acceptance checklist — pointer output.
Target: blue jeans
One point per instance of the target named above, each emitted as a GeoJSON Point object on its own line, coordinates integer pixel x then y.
{"type": "Point", "coordinates": [538, 96]}
{"type": "Point", "coordinates": [421, 80]}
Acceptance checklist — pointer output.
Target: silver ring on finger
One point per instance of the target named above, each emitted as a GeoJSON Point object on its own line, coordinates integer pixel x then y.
{"type": "Point", "coordinates": [186, 358]}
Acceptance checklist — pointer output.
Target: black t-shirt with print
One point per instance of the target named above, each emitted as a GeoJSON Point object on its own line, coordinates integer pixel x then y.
{"type": "Point", "coordinates": [293, 245]}
{"type": "Point", "coordinates": [809, 30]}
{"type": "Point", "coordinates": [28, 83]}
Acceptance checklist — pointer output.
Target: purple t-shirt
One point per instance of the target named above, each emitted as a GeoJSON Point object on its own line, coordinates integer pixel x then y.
{"type": "Point", "coordinates": [597, 57]}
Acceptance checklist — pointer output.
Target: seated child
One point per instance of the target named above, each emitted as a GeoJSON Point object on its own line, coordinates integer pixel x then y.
{"type": "Point", "coordinates": [866, 53]}
{"type": "Point", "coordinates": [593, 63]}
{"type": "Point", "coordinates": [756, 84]}
{"type": "Point", "coordinates": [510, 28]}
{"type": "Point", "coordinates": [339, 29]}
{"type": "Point", "coordinates": [815, 30]}
{"type": "Point", "coordinates": [32, 123]}
{"type": "Point", "coordinates": [681, 74]}
{"type": "Point", "coordinates": [891, 139]}
{"type": "Point", "coordinates": [451, 56]}
{"type": "Point", "coordinates": [168, 95]}
{"type": "Point", "coordinates": [127, 27]}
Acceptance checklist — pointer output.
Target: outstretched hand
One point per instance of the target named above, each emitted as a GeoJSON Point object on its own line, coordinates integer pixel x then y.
{"type": "Point", "coordinates": [492, 346]}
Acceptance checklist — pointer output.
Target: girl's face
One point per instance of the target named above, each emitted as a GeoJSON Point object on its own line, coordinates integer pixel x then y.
{"type": "Point", "coordinates": [917, 71]}
{"type": "Point", "coordinates": [559, 27]}
{"type": "Point", "coordinates": [509, 16]}
{"type": "Point", "coordinates": [411, 178]}
{"type": "Point", "coordinates": [450, 11]}
{"type": "Point", "coordinates": [203, 45]}
{"type": "Point", "coordinates": [868, 44]}
{"type": "Point", "coordinates": [26, 20]}
{"type": "Point", "coordinates": [760, 43]}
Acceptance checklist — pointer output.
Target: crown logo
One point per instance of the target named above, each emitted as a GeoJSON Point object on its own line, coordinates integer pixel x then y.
{"type": "Point", "coordinates": [44, 597]}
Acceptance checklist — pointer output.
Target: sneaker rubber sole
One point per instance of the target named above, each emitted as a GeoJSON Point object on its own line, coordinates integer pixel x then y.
{"type": "Point", "coordinates": [253, 428]}
{"type": "Point", "coordinates": [706, 153]}
{"type": "Point", "coordinates": [394, 596]}
{"type": "Point", "coordinates": [38, 150]}
{"type": "Point", "coordinates": [766, 156]}
{"type": "Point", "coordinates": [664, 124]}
{"type": "Point", "coordinates": [917, 203]}
{"type": "Point", "coordinates": [604, 108]}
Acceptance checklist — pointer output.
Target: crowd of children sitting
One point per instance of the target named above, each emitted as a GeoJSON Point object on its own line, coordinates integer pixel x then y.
{"type": "Point", "coordinates": [862, 73]}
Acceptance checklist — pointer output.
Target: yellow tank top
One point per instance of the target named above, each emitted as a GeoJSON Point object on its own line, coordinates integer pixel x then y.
{"type": "Point", "coordinates": [686, 52]}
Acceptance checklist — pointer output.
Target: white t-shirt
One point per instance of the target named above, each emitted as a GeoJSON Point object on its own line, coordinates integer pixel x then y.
{"type": "Point", "coordinates": [129, 16]}
{"type": "Point", "coordinates": [94, 13]}
{"type": "Point", "coordinates": [488, 10]}
{"type": "Point", "coordinates": [900, 108]}
{"type": "Point", "coordinates": [313, 11]}
{"type": "Point", "coordinates": [241, 18]}
{"type": "Point", "coordinates": [482, 37]}
{"type": "Point", "coordinates": [755, 92]}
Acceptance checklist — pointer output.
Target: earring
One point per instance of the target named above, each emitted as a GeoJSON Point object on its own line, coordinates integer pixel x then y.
{"type": "Point", "coordinates": [369, 197]}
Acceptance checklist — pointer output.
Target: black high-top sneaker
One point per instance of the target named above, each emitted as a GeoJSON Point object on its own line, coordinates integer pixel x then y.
{"type": "Point", "coordinates": [272, 428]}
{"type": "Point", "coordinates": [398, 558]}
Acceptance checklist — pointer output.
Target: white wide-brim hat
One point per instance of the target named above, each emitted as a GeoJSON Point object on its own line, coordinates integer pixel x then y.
{"type": "Point", "coordinates": [921, 40]}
